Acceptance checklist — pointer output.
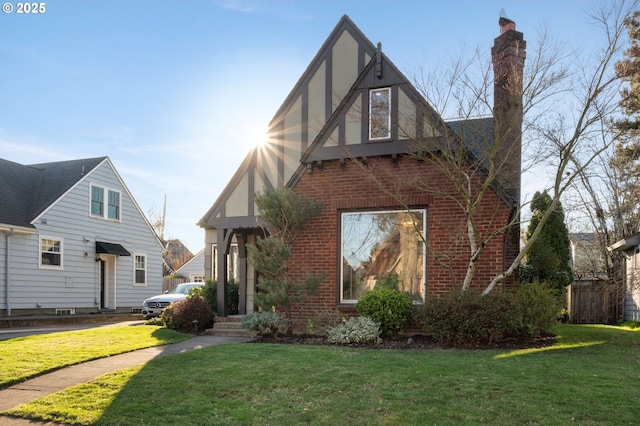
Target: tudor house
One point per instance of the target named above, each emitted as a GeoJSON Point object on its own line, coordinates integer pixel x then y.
{"type": "Point", "coordinates": [346, 136]}
{"type": "Point", "coordinates": [73, 240]}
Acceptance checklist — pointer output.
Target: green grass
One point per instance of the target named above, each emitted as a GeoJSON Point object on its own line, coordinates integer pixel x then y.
{"type": "Point", "coordinates": [27, 357]}
{"type": "Point", "coordinates": [590, 377]}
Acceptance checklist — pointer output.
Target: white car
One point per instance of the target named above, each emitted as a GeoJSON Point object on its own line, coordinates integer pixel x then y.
{"type": "Point", "coordinates": [153, 306]}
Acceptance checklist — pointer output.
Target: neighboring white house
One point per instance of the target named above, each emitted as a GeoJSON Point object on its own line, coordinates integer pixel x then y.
{"type": "Point", "coordinates": [587, 262]}
{"type": "Point", "coordinates": [73, 240]}
{"type": "Point", "coordinates": [193, 268]}
{"type": "Point", "coordinates": [630, 248]}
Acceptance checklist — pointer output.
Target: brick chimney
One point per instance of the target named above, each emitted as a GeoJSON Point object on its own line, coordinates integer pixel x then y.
{"type": "Point", "coordinates": [508, 55]}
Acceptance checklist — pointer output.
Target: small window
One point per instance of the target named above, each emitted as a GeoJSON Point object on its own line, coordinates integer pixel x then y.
{"type": "Point", "coordinates": [114, 205]}
{"type": "Point", "coordinates": [50, 252]}
{"type": "Point", "coordinates": [380, 114]}
{"type": "Point", "coordinates": [97, 201]}
{"type": "Point", "coordinates": [140, 269]}
{"type": "Point", "coordinates": [105, 203]}
{"type": "Point", "coordinates": [196, 278]}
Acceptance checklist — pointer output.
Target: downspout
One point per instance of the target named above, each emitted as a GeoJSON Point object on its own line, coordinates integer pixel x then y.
{"type": "Point", "coordinates": [6, 269]}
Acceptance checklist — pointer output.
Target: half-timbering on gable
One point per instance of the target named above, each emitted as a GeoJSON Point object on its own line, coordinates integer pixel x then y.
{"type": "Point", "coordinates": [346, 136]}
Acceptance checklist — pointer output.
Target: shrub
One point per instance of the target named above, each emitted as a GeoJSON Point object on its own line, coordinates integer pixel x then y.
{"type": "Point", "coordinates": [391, 308]}
{"type": "Point", "coordinates": [468, 317]}
{"type": "Point", "coordinates": [181, 314]}
{"type": "Point", "coordinates": [210, 294]}
{"type": "Point", "coordinates": [154, 321]}
{"type": "Point", "coordinates": [355, 330]}
{"type": "Point", "coordinates": [630, 324]}
{"type": "Point", "coordinates": [541, 306]}
{"type": "Point", "coordinates": [267, 324]}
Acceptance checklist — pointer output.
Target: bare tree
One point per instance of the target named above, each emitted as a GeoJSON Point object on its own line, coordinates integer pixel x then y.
{"type": "Point", "coordinates": [560, 101]}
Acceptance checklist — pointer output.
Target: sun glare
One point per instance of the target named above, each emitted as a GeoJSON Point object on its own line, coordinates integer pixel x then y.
{"type": "Point", "coordinates": [259, 137]}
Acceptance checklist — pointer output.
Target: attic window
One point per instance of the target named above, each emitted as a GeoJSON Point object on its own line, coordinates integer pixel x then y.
{"type": "Point", "coordinates": [380, 114]}
{"type": "Point", "coordinates": [105, 203]}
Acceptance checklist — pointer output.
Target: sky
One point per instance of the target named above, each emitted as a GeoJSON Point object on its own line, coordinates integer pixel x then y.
{"type": "Point", "coordinates": [177, 92]}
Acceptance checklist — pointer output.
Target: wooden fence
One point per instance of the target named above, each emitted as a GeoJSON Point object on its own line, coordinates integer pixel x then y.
{"type": "Point", "coordinates": [169, 283]}
{"type": "Point", "coordinates": [594, 302]}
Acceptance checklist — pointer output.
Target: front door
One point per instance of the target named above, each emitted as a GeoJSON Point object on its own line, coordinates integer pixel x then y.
{"type": "Point", "coordinates": [102, 282]}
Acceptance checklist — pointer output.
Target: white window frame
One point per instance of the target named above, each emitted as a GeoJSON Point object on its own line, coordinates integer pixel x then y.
{"type": "Point", "coordinates": [341, 283]}
{"type": "Point", "coordinates": [136, 269]}
{"type": "Point", "coordinates": [105, 203]}
{"type": "Point", "coordinates": [196, 278]}
{"type": "Point", "coordinates": [43, 265]}
{"type": "Point", "coordinates": [372, 96]}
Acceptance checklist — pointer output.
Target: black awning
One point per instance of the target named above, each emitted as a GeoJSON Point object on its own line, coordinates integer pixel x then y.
{"type": "Point", "coordinates": [111, 248]}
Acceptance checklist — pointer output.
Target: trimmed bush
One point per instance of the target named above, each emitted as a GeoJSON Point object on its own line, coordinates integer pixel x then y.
{"type": "Point", "coordinates": [541, 306]}
{"type": "Point", "coordinates": [210, 294]}
{"type": "Point", "coordinates": [181, 314]}
{"type": "Point", "coordinates": [468, 317]}
{"type": "Point", "coordinates": [392, 309]}
{"type": "Point", "coordinates": [267, 324]}
{"type": "Point", "coordinates": [355, 330]}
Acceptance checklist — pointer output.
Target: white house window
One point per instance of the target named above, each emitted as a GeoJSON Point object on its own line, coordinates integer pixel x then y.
{"type": "Point", "coordinates": [382, 248]}
{"type": "Point", "coordinates": [97, 201]}
{"type": "Point", "coordinates": [140, 269]}
{"type": "Point", "coordinates": [105, 203]}
{"type": "Point", "coordinates": [113, 211]}
{"type": "Point", "coordinates": [196, 278]}
{"type": "Point", "coordinates": [50, 252]}
{"type": "Point", "coordinates": [380, 114]}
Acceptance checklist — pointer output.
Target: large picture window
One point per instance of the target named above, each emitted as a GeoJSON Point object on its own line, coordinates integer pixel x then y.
{"type": "Point", "coordinates": [380, 114]}
{"type": "Point", "coordinates": [384, 247]}
{"type": "Point", "coordinates": [50, 252]}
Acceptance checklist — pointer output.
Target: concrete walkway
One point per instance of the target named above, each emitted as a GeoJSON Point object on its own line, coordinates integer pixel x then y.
{"type": "Point", "coordinates": [81, 373]}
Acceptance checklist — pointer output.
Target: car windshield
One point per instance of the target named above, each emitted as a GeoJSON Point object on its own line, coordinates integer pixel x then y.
{"type": "Point", "coordinates": [181, 289]}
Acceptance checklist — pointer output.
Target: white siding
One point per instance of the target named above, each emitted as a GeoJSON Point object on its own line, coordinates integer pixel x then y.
{"type": "Point", "coordinates": [632, 293]}
{"type": "Point", "coordinates": [77, 284]}
{"type": "Point", "coordinates": [193, 266]}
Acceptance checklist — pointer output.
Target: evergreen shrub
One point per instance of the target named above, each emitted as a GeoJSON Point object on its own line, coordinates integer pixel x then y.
{"type": "Point", "coordinates": [391, 308]}
{"type": "Point", "coordinates": [355, 330]}
{"type": "Point", "coordinates": [541, 305]}
{"type": "Point", "coordinates": [468, 317]}
{"type": "Point", "coordinates": [210, 294]}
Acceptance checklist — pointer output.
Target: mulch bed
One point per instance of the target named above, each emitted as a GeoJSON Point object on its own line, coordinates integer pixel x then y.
{"type": "Point", "coordinates": [418, 342]}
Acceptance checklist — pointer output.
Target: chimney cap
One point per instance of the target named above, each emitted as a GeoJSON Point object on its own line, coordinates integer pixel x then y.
{"type": "Point", "coordinates": [505, 23]}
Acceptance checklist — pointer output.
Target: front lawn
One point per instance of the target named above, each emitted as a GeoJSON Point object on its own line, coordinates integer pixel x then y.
{"type": "Point", "coordinates": [26, 357]}
{"type": "Point", "coordinates": [589, 377]}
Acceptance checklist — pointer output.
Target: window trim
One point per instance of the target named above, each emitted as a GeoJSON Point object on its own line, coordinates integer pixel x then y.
{"type": "Point", "coordinates": [388, 112]}
{"type": "Point", "coordinates": [136, 269]}
{"type": "Point", "coordinates": [40, 253]}
{"type": "Point", "coordinates": [341, 270]}
{"type": "Point", "coordinates": [105, 203]}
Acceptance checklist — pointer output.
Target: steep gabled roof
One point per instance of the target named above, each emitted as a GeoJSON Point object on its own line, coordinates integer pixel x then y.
{"type": "Point", "coordinates": [316, 123]}
{"type": "Point", "coordinates": [27, 190]}
{"type": "Point", "coordinates": [260, 169]}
